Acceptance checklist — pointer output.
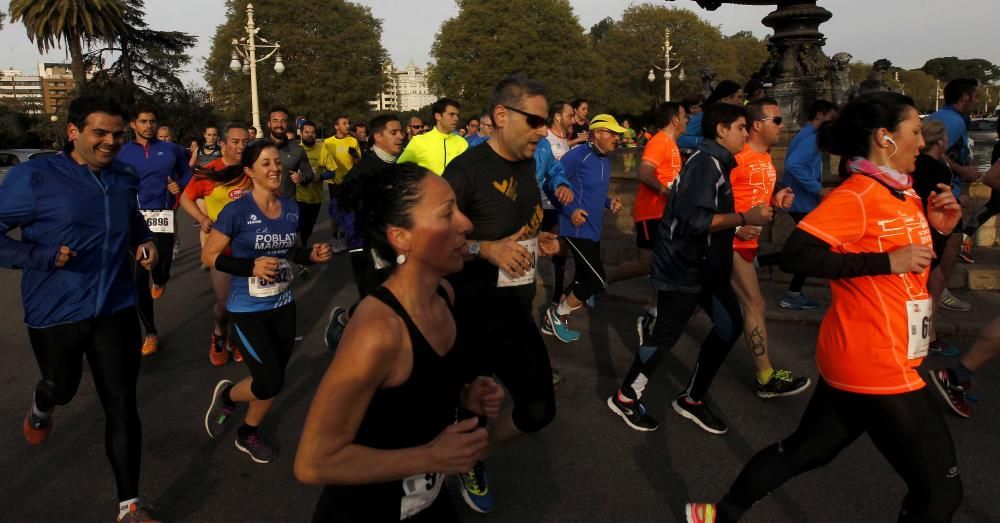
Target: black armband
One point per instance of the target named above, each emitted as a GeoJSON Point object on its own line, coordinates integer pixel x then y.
{"type": "Point", "coordinates": [235, 266]}
{"type": "Point", "coordinates": [300, 255]}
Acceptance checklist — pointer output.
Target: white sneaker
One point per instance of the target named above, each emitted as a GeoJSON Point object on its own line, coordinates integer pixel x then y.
{"type": "Point", "coordinates": [950, 302]}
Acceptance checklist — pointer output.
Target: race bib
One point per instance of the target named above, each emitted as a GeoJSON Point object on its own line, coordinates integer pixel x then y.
{"type": "Point", "coordinates": [419, 492]}
{"type": "Point", "coordinates": [918, 320]}
{"type": "Point", "coordinates": [160, 221]}
{"type": "Point", "coordinates": [262, 289]}
{"type": "Point", "coordinates": [506, 280]}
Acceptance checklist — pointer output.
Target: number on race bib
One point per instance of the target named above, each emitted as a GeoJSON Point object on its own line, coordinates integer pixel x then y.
{"type": "Point", "coordinates": [263, 289]}
{"type": "Point", "coordinates": [918, 319]}
{"type": "Point", "coordinates": [159, 221]}
{"type": "Point", "coordinates": [506, 280]}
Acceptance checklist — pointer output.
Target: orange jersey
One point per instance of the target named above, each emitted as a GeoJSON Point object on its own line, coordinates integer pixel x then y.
{"type": "Point", "coordinates": [216, 195]}
{"type": "Point", "coordinates": [753, 182]}
{"type": "Point", "coordinates": [662, 152]}
{"type": "Point", "coordinates": [874, 336]}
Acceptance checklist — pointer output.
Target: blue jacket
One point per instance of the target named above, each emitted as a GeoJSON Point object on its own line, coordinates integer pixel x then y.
{"type": "Point", "coordinates": [153, 164]}
{"type": "Point", "coordinates": [589, 175]}
{"type": "Point", "coordinates": [549, 172]}
{"type": "Point", "coordinates": [957, 126]}
{"type": "Point", "coordinates": [476, 139]}
{"type": "Point", "coordinates": [692, 137]}
{"type": "Point", "coordinates": [55, 202]}
{"type": "Point", "coordinates": [804, 170]}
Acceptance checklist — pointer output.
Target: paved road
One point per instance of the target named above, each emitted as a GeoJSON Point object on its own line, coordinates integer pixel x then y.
{"type": "Point", "coordinates": [587, 466]}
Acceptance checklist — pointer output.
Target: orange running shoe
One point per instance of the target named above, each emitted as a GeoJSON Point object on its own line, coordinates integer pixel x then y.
{"type": "Point", "coordinates": [700, 512]}
{"type": "Point", "coordinates": [150, 345]}
{"type": "Point", "coordinates": [157, 291]}
{"type": "Point", "coordinates": [36, 429]}
{"type": "Point", "coordinates": [217, 351]}
{"type": "Point", "coordinates": [235, 349]}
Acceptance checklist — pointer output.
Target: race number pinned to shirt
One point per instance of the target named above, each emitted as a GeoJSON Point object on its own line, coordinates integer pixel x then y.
{"type": "Point", "coordinates": [161, 221]}
{"type": "Point", "coordinates": [419, 492]}
{"type": "Point", "coordinates": [506, 280]}
{"type": "Point", "coordinates": [918, 320]}
{"type": "Point", "coordinates": [262, 289]}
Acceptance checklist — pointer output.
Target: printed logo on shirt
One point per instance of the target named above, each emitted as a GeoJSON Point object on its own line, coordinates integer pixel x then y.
{"type": "Point", "coordinates": [264, 242]}
{"type": "Point", "coordinates": [253, 220]}
{"type": "Point", "coordinates": [508, 187]}
{"type": "Point", "coordinates": [236, 194]}
{"type": "Point", "coordinates": [292, 217]}
{"type": "Point", "coordinates": [159, 153]}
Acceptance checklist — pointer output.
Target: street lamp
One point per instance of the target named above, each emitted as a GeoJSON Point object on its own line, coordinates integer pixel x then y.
{"type": "Point", "coordinates": [666, 67]}
{"type": "Point", "coordinates": [244, 58]}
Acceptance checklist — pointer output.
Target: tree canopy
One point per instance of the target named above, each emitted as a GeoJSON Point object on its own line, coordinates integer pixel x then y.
{"type": "Point", "coordinates": [950, 67]}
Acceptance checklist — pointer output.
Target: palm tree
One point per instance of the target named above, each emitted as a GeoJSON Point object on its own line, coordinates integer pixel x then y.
{"type": "Point", "coordinates": [50, 22]}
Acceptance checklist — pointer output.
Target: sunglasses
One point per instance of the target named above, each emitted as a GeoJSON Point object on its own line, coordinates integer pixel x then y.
{"type": "Point", "coordinates": [534, 121]}
{"type": "Point", "coordinates": [775, 119]}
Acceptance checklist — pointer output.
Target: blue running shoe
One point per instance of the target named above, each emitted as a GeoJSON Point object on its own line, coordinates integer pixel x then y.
{"type": "Point", "coordinates": [476, 490]}
{"type": "Point", "coordinates": [800, 302]}
{"type": "Point", "coordinates": [592, 300]}
{"type": "Point", "coordinates": [553, 325]}
{"type": "Point", "coordinates": [335, 328]}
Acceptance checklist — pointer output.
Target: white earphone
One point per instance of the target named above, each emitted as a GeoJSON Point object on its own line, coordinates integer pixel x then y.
{"type": "Point", "coordinates": [889, 139]}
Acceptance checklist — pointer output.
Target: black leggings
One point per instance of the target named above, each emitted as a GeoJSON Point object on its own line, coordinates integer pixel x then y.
{"type": "Point", "coordinates": [907, 429]}
{"type": "Point", "coordinates": [991, 209]}
{"type": "Point", "coordinates": [111, 345]}
{"type": "Point", "coordinates": [267, 339]}
{"type": "Point", "coordinates": [588, 276]}
{"type": "Point", "coordinates": [308, 214]}
{"type": "Point", "coordinates": [160, 274]}
{"type": "Point", "coordinates": [673, 310]}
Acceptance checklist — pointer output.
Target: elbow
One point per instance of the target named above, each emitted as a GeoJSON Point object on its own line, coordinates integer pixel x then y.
{"type": "Point", "coordinates": [304, 471]}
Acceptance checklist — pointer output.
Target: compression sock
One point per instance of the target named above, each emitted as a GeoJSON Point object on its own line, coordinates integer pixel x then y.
{"type": "Point", "coordinates": [564, 309]}
{"type": "Point", "coordinates": [764, 376]}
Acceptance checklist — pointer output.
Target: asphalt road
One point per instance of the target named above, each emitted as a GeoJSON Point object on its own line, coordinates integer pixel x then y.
{"type": "Point", "coordinates": [586, 466]}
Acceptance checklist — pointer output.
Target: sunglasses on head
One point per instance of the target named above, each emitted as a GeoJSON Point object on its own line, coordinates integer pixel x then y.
{"type": "Point", "coordinates": [534, 121]}
{"type": "Point", "coordinates": [776, 119]}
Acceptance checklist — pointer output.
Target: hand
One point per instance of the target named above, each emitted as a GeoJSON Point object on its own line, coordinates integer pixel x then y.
{"type": "Point", "coordinates": [759, 215]}
{"type": "Point", "coordinates": [549, 244]}
{"type": "Point", "coordinates": [484, 397]}
{"type": "Point", "coordinates": [564, 195]}
{"type": "Point", "coordinates": [194, 149]}
{"type": "Point", "coordinates": [458, 447]}
{"type": "Point", "coordinates": [296, 177]}
{"type": "Point", "coordinates": [265, 268]}
{"type": "Point", "coordinates": [943, 211]}
{"type": "Point", "coordinates": [206, 225]}
{"type": "Point", "coordinates": [584, 136]}
{"type": "Point", "coordinates": [64, 255]}
{"type": "Point", "coordinates": [579, 216]}
{"type": "Point", "coordinates": [321, 253]}
{"type": "Point", "coordinates": [173, 187]}
{"type": "Point", "coordinates": [911, 258]}
{"type": "Point", "coordinates": [507, 254]}
{"type": "Point", "coordinates": [616, 205]}
{"type": "Point", "coordinates": [783, 199]}
{"type": "Point", "coordinates": [152, 257]}
{"type": "Point", "coordinates": [748, 232]}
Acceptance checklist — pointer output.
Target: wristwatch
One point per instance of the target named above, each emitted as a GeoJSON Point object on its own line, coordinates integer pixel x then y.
{"type": "Point", "coordinates": [474, 248]}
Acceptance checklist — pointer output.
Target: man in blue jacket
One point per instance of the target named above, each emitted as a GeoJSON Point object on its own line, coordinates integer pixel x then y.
{"type": "Point", "coordinates": [81, 231]}
{"type": "Point", "coordinates": [163, 171]}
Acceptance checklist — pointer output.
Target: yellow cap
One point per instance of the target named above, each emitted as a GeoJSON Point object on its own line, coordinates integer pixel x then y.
{"type": "Point", "coordinates": [606, 121]}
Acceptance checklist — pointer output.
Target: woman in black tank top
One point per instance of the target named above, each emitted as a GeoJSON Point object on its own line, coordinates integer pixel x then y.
{"type": "Point", "coordinates": [382, 431]}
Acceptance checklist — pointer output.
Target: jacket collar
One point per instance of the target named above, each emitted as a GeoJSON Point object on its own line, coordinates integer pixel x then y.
{"type": "Point", "coordinates": [720, 153]}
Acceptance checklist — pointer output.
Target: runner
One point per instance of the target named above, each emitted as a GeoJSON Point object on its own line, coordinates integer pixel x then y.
{"type": "Point", "coordinates": [165, 134]}
{"type": "Point", "coordinates": [753, 182]}
{"type": "Point", "coordinates": [692, 263]}
{"type": "Point", "coordinates": [340, 152]}
{"type": "Point", "coordinates": [80, 232]}
{"type": "Point", "coordinates": [295, 167]}
{"type": "Point", "coordinates": [871, 239]}
{"type": "Point", "coordinates": [954, 382]}
{"type": "Point", "coordinates": [309, 195]}
{"type": "Point", "coordinates": [218, 184]}
{"type": "Point", "coordinates": [397, 368]}
{"type": "Point", "coordinates": [435, 149]}
{"type": "Point", "coordinates": [162, 169]}
{"type": "Point", "coordinates": [581, 111]}
{"type": "Point", "coordinates": [495, 186]}
{"type": "Point", "coordinates": [208, 152]}
{"type": "Point", "coordinates": [588, 171]}
{"type": "Point", "coordinates": [260, 229]}
{"type": "Point", "coordinates": [560, 129]}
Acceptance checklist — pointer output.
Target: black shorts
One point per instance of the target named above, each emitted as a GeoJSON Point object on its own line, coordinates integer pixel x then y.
{"type": "Point", "coordinates": [645, 233]}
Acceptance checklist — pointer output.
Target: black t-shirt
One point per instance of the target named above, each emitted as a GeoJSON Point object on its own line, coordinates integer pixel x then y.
{"type": "Point", "coordinates": [578, 129]}
{"type": "Point", "coordinates": [499, 197]}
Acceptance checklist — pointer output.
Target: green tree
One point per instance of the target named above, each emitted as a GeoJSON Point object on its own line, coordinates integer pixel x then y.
{"type": "Point", "coordinates": [599, 30]}
{"type": "Point", "coordinates": [332, 53]}
{"type": "Point", "coordinates": [542, 39]}
{"type": "Point", "coordinates": [49, 23]}
{"type": "Point", "coordinates": [951, 67]}
{"type": "Point", "coordinates": [920, 86]}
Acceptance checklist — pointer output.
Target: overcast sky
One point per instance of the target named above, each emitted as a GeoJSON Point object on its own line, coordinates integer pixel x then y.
{"type": "Point", "coordinates": [908, 32]}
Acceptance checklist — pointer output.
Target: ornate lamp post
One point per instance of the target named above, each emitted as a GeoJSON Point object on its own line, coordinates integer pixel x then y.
{"type": "Point", "coordinates": [666, 67]}
{"type": "Point", "coordinates": [244, 58]}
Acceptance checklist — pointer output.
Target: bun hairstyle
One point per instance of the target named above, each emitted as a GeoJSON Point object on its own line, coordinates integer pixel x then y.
{"type": "Point", "coordinates": [848, 135]}
{"type": "Point", "coordinates": [381, 199]}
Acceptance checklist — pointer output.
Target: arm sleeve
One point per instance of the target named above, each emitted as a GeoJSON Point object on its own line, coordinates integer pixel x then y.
{"type": "Point", "coordinates": [17, 208]}
{"type": "Point", "coordinates": [799, 162]}
{"type": "Point", "coordinates": [809, 255]}
{"type": "Point", "coordinates": [570, 166]}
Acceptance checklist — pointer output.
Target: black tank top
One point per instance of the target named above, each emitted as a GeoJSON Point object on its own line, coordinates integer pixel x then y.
{"type": "Point", "coordinates": [409, 415]}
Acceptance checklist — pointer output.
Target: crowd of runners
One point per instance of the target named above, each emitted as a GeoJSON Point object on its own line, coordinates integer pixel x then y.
{"type": "Point", "coordinates": [445, 233]}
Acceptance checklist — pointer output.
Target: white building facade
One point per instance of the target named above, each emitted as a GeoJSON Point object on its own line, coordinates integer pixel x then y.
{"type": "Point", "coordinates": [408, 90]}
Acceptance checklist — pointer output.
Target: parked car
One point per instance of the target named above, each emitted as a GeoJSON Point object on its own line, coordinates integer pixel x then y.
{"type": "Point", "coordinates": [12, 157]}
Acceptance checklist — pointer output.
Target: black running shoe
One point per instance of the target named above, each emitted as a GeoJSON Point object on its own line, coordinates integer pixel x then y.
{"type": "Point", "coordinates": [699, 413]}
{"type": "Point", "coordinates": [782, 383]}
{"type": "Point", "coordinates": [633, 412]}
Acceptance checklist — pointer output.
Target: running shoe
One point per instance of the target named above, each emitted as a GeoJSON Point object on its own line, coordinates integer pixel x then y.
{"type": "Point", "coordinates": [644, 326]}
{"type": "Point", "coordinates": [217, 353]}
{"type": "Point", "coordinates": [965, 252]}
{"type": "Point", "coordinates": [304, 272]}
{"type": "Point", "coordinates": [950, 302]}
{"type": "Point", "coordinates": [234, 350]}
{"type": "Point", "coordinates": [335, 327]}
{"type": "Point", "coordinates": [952, 391]}
{"type": "Point", "coordinates": [594, 298]}
{"type": "Point", "coordinates": [700, 512]}
{"type": "Point", "coordinates": [553, 325]}
{"type": "Point", "coordinates": [218, 412]}
{"type": "Point", "coordinates": [150, 344]}
{"type": "Point", "coordinates": [782, 383]}
{"type": "Point", "coordinates": [157, 291]}
{"type": "Point", "coordinates": [476, 490]}
{"type": "Point", "coordinates": [939, 348]}
{"type": "Point", "coordinates": [35, 428]}
{"type": "Point", "coordinates": [633, 412]}
{"type": "Point", "coordinates": [700, 414]}
{"type": "Point", "coordinates": [255, 447]}
{"type": "Point", "coordinates": [136, 515]}
{"type": "Point", "coordinates": [800, 302]}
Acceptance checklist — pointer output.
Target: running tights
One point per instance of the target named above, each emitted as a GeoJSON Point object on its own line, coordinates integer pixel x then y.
{"type": "Point", "coordinates": [111, 345]}
{"type": "Point", "coordinates": [907, 429]}
{"type": "Point", "coordinates": [267, 339]}
{"type": "Point", "coordinates": [160, 274]}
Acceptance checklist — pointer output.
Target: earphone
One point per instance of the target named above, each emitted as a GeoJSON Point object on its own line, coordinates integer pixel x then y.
{"type": "Point", "coordinates": [889, 139]}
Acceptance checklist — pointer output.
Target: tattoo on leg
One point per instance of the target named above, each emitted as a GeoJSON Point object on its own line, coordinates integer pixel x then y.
{"type": "Point", "coordinates": [756, 343]}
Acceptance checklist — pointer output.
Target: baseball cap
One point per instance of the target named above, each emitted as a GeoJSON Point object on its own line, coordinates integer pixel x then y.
{"type": "Point", "coordinates": [606, 121]}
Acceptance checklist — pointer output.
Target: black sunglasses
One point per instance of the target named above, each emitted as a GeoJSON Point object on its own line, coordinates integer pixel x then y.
{"type": "Point", "coordinates": [534, 121]}
{"type": "Point", "coordinates": [776, 119]}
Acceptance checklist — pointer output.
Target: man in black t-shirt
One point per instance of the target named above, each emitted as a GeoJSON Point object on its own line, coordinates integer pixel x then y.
{"type": "Point", "coordinates": [495, 187]}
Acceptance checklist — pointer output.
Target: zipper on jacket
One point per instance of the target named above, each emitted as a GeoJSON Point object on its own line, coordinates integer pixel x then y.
{"type": "Point", "coordinates": [102, 279]}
